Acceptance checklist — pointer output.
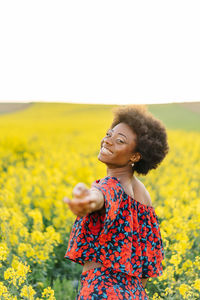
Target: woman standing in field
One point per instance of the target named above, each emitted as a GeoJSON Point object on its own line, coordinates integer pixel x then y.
{"type": "Point", "coordinates": [116, 237]}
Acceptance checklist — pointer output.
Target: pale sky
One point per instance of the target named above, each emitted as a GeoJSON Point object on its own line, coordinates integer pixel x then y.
{"type": "Point", "coordinates": [115, 52]}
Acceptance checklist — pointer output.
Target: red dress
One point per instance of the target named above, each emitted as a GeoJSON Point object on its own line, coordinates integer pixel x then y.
{"type": "Point", "coordinates": [126, 240]}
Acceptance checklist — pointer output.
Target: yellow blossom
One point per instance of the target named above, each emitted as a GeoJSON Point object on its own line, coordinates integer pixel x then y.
{"type": "Point", "coordinates": [3, 251]}
{"type": "Point", "coordinates": [184, 289]}
{"type": "Point", "coordinates": [28, 292]}
{"type": "Point", "coordinates": [17, 273]}
{"type": "Point", "coordinates": [197, 284]}
{"type": "Point", "coordinates": [3, 290]}
{"type": "Point", "coordinates": [48, 292]}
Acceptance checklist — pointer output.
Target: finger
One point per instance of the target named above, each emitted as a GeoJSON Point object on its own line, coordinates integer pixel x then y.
{"type": "Point", "coordinates": [92, 205]}
{"type": "Point", "coordinates": [80, 190]}
{"type": "Point", "coordinates": [79, 207]}
{"type": "Point", "coordinates": [66, 200]}
{"type": "Point", "coordinates": [81, 185]}
{"type": "Point", "coordinates": [80, 203]}
{"type": "Point", "coordinates": [86, 208]}
{"type": "Point", "coordinates": [76, 206]}
{"type": "Point", "coordinates": [79, 193]}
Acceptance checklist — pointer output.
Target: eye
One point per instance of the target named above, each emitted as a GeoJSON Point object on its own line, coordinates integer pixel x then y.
{"type": "Point", "coordinates": [120, 140]}
{"type": "Point", "coordinates": [108, 134]}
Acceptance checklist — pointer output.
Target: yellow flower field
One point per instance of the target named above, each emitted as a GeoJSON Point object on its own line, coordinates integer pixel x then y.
{"type": "Point", "coordinates": [48, 148]}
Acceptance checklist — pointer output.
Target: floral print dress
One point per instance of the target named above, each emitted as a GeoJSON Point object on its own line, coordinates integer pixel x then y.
{"type": "Point", "coordinates": [126, 240]}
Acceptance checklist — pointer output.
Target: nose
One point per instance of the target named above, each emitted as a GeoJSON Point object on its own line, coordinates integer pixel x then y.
{"type": "Point", "coordinates": [108, 140]}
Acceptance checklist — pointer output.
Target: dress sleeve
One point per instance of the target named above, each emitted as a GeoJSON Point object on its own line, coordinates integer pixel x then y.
{"type": "Point", "coordinates": [153, 251]}
{"type": "Point", "coordinates": [112, 199]}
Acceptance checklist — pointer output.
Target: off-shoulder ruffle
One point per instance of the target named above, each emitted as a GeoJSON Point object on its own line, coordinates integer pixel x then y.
{"type": "Point", "coordinates": [127, 238]}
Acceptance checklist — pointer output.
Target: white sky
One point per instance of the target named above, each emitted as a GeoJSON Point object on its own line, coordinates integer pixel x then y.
{"type": "Point", "coordinates": [104, 51]}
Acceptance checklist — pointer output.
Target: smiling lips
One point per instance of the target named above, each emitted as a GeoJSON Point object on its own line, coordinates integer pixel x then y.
{"type": "Point", "coordinates": [105, 150]}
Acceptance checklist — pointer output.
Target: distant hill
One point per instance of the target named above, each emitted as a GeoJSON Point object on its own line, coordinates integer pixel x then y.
{"type": "Point", "coordinates": [185, 115]}
{"type": "Point", "coordinates": [11, 107]}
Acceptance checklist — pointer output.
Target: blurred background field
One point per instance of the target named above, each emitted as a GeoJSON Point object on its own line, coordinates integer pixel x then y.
{"type": "Point", "coordinates": [47, 148]}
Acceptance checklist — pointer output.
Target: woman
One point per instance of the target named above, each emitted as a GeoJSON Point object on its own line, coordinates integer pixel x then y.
{"type": "Point", "coordinates": [116, 237]}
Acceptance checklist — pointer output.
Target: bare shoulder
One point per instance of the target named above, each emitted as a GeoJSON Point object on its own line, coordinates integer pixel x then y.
{"type": "Point", "coordinates": [140, 191]}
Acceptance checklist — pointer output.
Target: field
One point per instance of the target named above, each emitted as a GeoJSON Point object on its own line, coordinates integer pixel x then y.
{"type": "Point", "coordinates": [45, 149]}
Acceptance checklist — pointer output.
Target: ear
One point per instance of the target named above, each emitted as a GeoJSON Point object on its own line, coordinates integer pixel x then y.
{"type": "Point", "coordinates": [136, 157]}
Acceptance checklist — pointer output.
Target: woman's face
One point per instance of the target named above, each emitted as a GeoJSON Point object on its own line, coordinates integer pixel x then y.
{"type": "Point", "coordinates": [120, 143]}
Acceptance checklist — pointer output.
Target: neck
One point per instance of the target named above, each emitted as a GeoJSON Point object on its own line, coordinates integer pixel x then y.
{"type": "Point", "coordinates": [123, 174]}
{"type": "Point", "coordinates": [126, 178]}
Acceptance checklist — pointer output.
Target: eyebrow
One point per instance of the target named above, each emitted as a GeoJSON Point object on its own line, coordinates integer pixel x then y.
{"type": "Point", "coordinates": [118, 133]}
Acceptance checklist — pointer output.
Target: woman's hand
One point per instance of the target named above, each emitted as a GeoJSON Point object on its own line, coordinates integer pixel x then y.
{"type": "Point", "coordinates": [84, 200]}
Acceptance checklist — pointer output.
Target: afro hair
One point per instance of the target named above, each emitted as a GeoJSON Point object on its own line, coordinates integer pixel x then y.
{"type": "Point", "coordinates": [151, 135]}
